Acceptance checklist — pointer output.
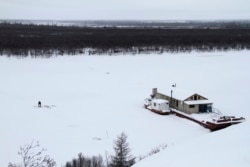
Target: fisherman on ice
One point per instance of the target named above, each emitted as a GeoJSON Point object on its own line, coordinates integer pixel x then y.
{"type": "Point", "coordinates": [39, 104]}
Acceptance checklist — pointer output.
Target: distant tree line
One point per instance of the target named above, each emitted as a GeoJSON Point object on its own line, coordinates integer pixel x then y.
{"type": "Point", "coordinates": [46, 40]}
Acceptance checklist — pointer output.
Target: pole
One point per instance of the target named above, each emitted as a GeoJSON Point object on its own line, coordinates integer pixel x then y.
{"type": "Point", "coordinates": [171, 97]}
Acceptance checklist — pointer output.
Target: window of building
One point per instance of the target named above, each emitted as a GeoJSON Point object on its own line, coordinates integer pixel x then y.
{"type": "Point", "coordinates": [191, 106]}
{"type": "Point", "coordinates": [209, 108]}
{"type": "Point", "coordinates": [195, 97]}
{"type": "Point", "coordinates": [203, 108]}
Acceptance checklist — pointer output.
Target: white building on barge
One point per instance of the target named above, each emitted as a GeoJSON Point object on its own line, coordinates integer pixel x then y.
{"type": "Point", "coordinates": [186, 102]}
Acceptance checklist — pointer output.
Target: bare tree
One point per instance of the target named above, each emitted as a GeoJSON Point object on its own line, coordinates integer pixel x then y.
{"type": "Point", "coordinates": [32, 156]}
{"type": "Point", "coordinates": [107, 159]}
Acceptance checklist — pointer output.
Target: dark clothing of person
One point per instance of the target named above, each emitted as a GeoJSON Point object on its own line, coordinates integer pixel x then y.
{"type": "Point", "coordinates": [39, 104]}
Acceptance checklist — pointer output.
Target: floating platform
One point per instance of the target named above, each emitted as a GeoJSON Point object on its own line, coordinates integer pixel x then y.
{"type": "Point", "coordinates": [212, 125]}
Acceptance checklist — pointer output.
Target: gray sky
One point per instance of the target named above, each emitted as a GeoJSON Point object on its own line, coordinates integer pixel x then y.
{"type": "Point", "coordinates": [125, 9]}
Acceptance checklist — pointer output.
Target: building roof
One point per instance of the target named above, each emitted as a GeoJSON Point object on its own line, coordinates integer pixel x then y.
{"type": "Point", "coordinates": [193, 102]}
{"type": "Point", "coordinates": [159, 101]}
{"type": "Point", "coordinates": [177, 93]}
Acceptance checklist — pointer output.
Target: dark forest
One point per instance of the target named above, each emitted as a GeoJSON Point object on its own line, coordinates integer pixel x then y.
{"type": "Point", "coordinates": [45, 40]}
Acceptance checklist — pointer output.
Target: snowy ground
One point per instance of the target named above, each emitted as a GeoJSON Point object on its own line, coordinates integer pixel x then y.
{"type": "Point", "coordinates": [92, 99]}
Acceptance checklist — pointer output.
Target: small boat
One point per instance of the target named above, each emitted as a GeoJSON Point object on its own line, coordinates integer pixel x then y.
{"type": "Point", "coordinates": [159, 106]}
{"type": "Point", "coordinates": [223, 122]}
{"type": "Point", "coordinates": [214, 124]}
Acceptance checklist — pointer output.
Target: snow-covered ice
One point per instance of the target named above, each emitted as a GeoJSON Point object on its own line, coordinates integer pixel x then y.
{"type": "Point", "coordinates": [89, 100]}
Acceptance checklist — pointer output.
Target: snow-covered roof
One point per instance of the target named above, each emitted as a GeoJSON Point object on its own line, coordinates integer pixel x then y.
{"type": "Point", "coordinates": [159, 101]}
{"type": "Point", "coordinates": [193, 102]}
{"type": "Point", "coordinates": [178, 93]}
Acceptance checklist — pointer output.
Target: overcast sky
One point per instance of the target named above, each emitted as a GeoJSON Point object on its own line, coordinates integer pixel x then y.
{"type": "Point", "coordinates": [125, 9]}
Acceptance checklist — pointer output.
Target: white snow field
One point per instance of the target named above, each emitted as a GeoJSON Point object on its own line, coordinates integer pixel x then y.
{"type": "Point", "coordinates": [89, 100]}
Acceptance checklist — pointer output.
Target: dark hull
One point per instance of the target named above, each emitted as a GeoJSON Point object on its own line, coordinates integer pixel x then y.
{"type": "Point", "coordinates": [217, 126]}
{"type": "Point", "coordinates": [222, 123]}
{"type": "Point", "coordinates": [213, 126]}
